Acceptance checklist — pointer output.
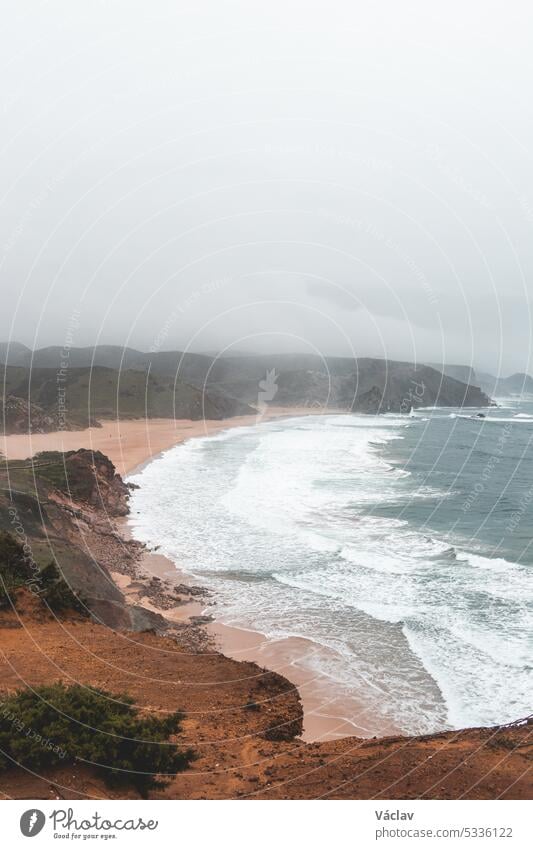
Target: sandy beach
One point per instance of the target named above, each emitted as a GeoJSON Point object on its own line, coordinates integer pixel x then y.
{"type": "Point", "coordinates": [328, 713]}
{"type": "Point", "coordinates": [132, 443]}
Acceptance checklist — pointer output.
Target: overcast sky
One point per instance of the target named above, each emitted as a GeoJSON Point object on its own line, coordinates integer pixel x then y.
{"type": "Point", "coordinates": [317, 176]}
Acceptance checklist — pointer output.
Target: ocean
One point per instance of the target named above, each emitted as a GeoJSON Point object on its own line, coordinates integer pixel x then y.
{"type": "Point", "coordinates": [401, 546]}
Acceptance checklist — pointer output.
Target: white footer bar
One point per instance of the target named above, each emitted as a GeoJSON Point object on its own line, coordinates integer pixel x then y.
{"type": "Point", "coordinates": [262, 824]}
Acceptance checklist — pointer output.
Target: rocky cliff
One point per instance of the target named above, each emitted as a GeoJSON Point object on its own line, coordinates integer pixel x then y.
{"type": "Point", "coordinates": [62, 507]}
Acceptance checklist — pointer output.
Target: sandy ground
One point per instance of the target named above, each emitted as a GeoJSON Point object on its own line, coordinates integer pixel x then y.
{"type": "Point", "coordinates": [237, 756]}
{"type": "Point", "coordinates": [328, 712]}
{"type": "Point", "coordinates": [132, 443]}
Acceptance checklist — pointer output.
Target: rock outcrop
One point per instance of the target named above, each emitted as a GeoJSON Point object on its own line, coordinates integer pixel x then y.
{"type": "Point", "coordinates": [64, 505]}
{"type": "Point", "coordinates": [90, 477]}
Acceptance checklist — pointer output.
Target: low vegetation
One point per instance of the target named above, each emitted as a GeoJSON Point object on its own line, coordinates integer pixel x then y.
{"type": "Point", "coordinates": [40, 400]}
{"type": "Point", "coordinates": [15, 570]}
{"type": "Point", "coordinates": [18, 570]}
{"type": "Point", "coordinates": [56, 724]}
{"type": "Point", "coordinates": [65, 472]}
{"type": "Point", "coordinates": [55, 591]}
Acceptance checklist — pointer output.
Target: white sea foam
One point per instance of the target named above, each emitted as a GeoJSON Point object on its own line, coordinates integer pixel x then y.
{"type": "Point", "coordinates": [284, 521]}
{"type": "Point", "coordinates": [498, 419]}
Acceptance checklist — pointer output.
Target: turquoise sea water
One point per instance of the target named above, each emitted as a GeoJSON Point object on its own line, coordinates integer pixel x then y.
{"type": "Point", "coordinates": [401, 546]}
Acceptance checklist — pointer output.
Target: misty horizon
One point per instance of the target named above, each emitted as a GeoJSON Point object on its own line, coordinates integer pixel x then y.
{"type": "Point", "coordinates": [205, 179]}
{"type": "Point", "coordinates": [64, 350]}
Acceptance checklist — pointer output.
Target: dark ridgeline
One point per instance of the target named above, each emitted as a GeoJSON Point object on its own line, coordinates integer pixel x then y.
{"type": "Point", "coordinates": [109, 381]}
{"type": "Point", "coordinates": [515, 384]}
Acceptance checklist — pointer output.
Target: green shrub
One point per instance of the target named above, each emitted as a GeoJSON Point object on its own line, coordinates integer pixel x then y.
{"type": "Point", "coordinates": [69, 472]}
{"type": "Point", "coordinates": [58, 724]}
{"type": "Point", "coordinates": [15, 570]}
{"type": "Point", "coordinates": [18, 570]}
{"type": "Point", "coordinates": [57, 593]}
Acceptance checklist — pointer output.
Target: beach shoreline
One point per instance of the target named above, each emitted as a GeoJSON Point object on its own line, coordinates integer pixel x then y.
{"type": "Point", "coordinates": [329, 713]}
{"type": "Point", "coordinates": [131, 444]}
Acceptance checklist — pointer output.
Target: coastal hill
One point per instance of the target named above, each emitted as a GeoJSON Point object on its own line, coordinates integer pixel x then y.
{"type": "Point", "coordinates": [515, 384]}
{"type": "Point", "coordinates": [365, 385]}
{"type": "Point", "coordinates": [14, 353]}
{"type": "Point", "coordinates": [52, 389]}
{"type": "Point", "coordinates": [45, 399]}
{"type": "Point", "coordinates": [466, 374]}
{"type": "Point", "coordinates": [65, 504]}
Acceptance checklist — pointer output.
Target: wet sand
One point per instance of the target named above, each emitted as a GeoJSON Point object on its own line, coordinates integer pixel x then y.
{"type": "Point", "coordinates": [329, 713]}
